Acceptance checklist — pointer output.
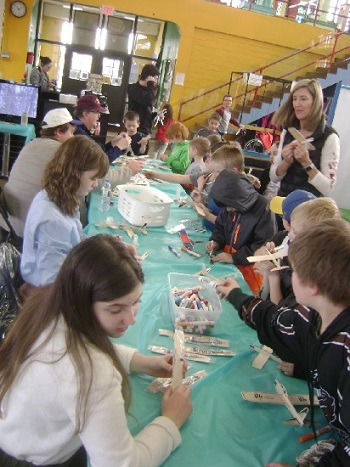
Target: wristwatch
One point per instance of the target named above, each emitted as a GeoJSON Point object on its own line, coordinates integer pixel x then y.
{"type": "Point", "coordinates": [310, 167]}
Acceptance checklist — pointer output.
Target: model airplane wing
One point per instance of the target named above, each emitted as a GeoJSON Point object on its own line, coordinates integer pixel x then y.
{"type": "Point", "coordinates": [264, 353]}
{"type": "Point", "coordinates": [269, 256]}
{"type": "Point", "coordinates": [299, 137]}
{"type": "Point", "coordinates": [298, 416]}
{"type": "Point", "coordinates": [283, 398]}
{"type": "Point", "coordinates": [273, 398]}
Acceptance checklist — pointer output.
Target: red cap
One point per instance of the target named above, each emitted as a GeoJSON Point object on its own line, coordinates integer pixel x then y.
{"type": "Point", "coordinates": [90, 102]}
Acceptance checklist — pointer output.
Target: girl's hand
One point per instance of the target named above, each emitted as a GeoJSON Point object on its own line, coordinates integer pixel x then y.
{"type": "Point", "coordinates": [162, 366]}
{"type": "Point", "coordinates": [225, 287]}
{"type": "Point", "coordinates": [177, 404]}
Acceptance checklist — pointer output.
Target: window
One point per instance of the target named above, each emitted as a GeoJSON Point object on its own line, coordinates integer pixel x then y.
{"type": "Point", "coordinates": [80, 66]}
{"type": "Point", "coordinates": [113, 69]}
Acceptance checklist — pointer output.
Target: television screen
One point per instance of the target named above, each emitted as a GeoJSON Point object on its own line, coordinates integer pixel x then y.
{"type": "Point", "coordinates": [17, 98]}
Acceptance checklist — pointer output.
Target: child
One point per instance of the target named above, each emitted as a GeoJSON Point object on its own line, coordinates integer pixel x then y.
{"type": "Point", "coordinates": [161, 141]}
{"type": "Point", "coordinates": [226, 156]}
{"type": "Point", "coordinates": [212, 129]}
{"type": "Point", "coordinates": [199, 150]}
{"type": "Point", "coordinates": [178, 160]}
{"type": "Point", "coordinates": [53, 227]}
{"type": "Point", "coordinates": [64, 386]}
{"type": "Point", "coordinates": [304, 214]}
{"type": "Point", "coordinates": [242, 226]}
{"type": "Point", "coordinates": [226, 115]}
{"type": "Point", "coordinates": [283, 207]}
{"type": "Point", "coordinates": [213, 139]}
{"type": "Point", "coordinates": [139, 141]}
{"type": "Point", "coordinates": [318, 329]}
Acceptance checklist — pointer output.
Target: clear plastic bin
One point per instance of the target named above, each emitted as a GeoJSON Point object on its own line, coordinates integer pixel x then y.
{"type": "Point", "coordinates": [199, 321]}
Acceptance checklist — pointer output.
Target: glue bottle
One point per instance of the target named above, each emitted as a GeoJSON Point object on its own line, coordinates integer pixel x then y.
{"type": "Point", "coordinates": [24, 119]}
{"type": "Point", "coordinates": [105, 195]}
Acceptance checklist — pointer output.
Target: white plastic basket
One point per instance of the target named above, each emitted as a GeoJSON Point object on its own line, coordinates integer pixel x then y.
{"type": "Point", "coordinates": [142, 204]}
{"type": "Point", "coordinates": [192, 316]}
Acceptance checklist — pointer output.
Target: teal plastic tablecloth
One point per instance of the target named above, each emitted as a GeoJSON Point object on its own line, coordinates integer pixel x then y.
{"type": "Point", "coordinates": [223, 430]}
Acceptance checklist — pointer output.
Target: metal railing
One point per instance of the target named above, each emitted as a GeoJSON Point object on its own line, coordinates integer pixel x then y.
{"type": "Point", "coordinates": [336, 16]}
{"type": "Point", "coordinates": [285, 69]}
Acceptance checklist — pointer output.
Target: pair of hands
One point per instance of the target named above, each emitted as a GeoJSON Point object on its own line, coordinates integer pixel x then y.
{"type": "Point", "coordinates": [222, 257]}
{"type": "Point", "coordinates": [296, 151]}
{"type": "Point", "coordinates": [122, 140]}
{"type": "Point", "coordinates": [264, 267]}
{"type": "Point", "coordinates": [176, 404]}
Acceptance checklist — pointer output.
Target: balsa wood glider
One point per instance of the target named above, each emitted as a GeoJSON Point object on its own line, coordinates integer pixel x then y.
{"type": "Point", "coordinates": [283, 398]}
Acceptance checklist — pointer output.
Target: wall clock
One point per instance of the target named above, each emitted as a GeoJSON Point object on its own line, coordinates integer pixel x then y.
{"type": "Point", "coordinates": [18, 9]}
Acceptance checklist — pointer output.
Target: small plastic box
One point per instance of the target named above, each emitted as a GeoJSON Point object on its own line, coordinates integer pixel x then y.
{"type": "Point", "coordinates": [206, 319]}
{"type": "Point", "coordinates": [142, 204]}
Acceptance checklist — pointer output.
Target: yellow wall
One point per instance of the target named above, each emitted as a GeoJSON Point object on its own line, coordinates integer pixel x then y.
{"type": "Point", "coordinates": [15, 41]}
{"type": "Point", "coordinates": [215, 39]}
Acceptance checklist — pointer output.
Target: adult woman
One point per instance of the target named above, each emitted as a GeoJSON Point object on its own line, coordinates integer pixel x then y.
{"type": "Point", "coordinates": [298, 166]}
{"type": "Point", "coordinates": [64, 384]}
{"type": "Point", "coordinates": [39, 75]}
{"type": "Point", "coordinates": [53, 226]}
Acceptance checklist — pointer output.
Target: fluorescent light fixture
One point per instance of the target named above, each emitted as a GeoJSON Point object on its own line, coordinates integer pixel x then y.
{"type": "Point", "coordinates": [130, 42]}
{"type": "Point", "coordinates": [67, 32]}
{"type": "Point", "coordinates": [103, 38]}
{"type": "Point", "coordinates": [97, 38]}
{"type": "Point", "coordinates": [100, 38]}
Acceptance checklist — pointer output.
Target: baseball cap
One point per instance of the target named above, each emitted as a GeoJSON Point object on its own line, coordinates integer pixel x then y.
{"type": "Point", "coordinates": [90, 102]}
{"type": "Point", "coordinates": [286, 205]}
{"type": "Point", "coordinates": [57, 117]}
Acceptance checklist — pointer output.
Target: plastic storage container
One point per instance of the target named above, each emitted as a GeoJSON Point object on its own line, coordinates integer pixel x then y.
{"type": "Point", "coordinates": [141, 205]}
{"type": "Point", "coordinates": [199, 321]}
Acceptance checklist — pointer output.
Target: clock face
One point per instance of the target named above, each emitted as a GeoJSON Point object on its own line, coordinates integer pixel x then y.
{"type": "Point", "coordinates": [18, 9]}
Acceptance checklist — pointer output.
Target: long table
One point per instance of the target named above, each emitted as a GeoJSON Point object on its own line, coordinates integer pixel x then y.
{"type": "Point", "coordinates": [223, 430]}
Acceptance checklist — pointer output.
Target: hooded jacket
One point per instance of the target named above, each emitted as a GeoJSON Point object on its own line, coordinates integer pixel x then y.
{"type": "Point", "coordinates": [250, 225]}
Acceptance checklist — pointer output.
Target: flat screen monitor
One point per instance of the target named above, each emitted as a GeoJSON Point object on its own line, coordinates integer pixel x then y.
{"type": "Point", "coordinates": [16, 98]}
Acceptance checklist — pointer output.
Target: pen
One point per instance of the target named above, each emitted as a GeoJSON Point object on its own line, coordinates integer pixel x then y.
{"type": "Point", "coordinates": [265, 352]}
{"type": "Point", "coordinates": [191, 252]}
{"type": "Point", "coordinates": [309, 436]}
{"type": "Point", "coordinates": [176, 253]}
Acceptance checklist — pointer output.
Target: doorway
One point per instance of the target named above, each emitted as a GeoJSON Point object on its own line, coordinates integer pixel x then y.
{"type": "Point", "coordinates": [113, 68]}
